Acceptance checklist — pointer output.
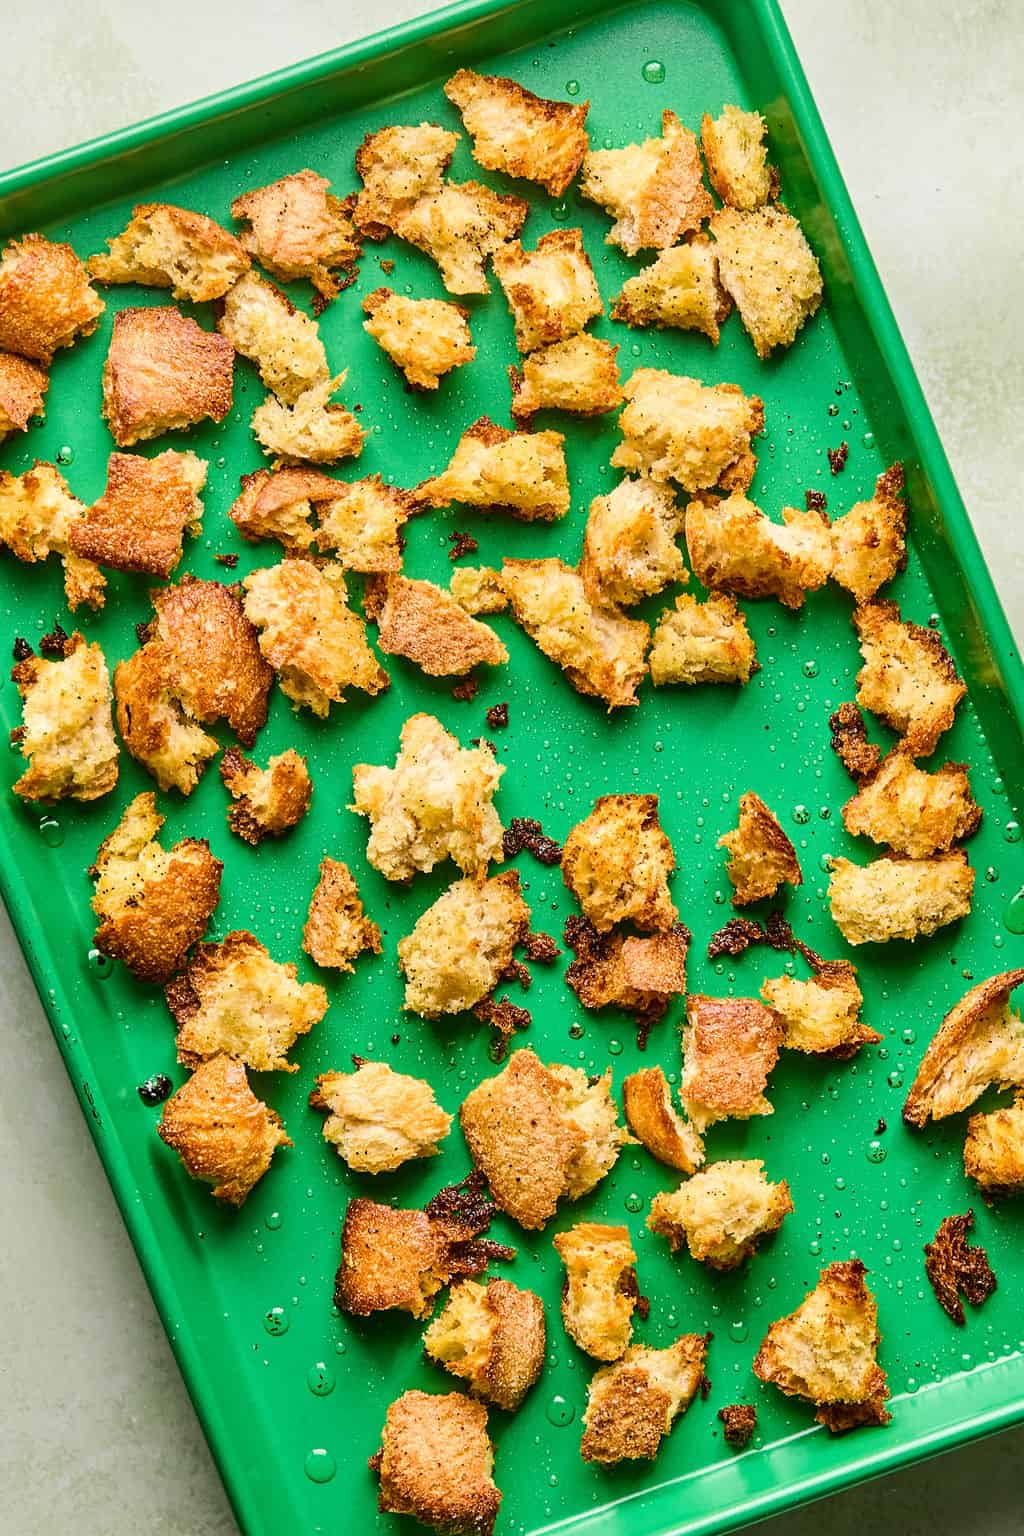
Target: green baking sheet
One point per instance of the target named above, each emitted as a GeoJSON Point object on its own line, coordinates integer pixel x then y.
{"type": "Point", "coordinates": [291, 1394]}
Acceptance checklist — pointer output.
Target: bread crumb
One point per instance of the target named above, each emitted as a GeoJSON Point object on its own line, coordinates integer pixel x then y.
{"type": "Point", "coordinates": [163, 246]}
{"type": "Point", "coordinates": [908, 678]}
{"type": "Point", "coordinates": [676, 428]}
{"type": "Point", "coordinates": [519, 133]}
{"type": "Point", "coordinates": [647, 1101]}
{"type": "Point", "coordinates": [312, 430]}
{"type": "Point", "coordinates": [617, 862]}
{"type": "Point", "coordinates": [580, 376]}
{"type": "Point", "coordinates": [222, 1132]}
{"type": "Point", "coordinates": [769, 271]}
{"type": "Point", "coordinates": [600, 1294]}
{"type": "Point", "coordinates": [426, 338]}
{"type": "Point", "coordinates": [23, 387]}
{"type": "Point", "coordinates": [821, 1016]}
{"type": "Point", "coordinates": [140, 521]}
{"type": "Point", "coordinates": [268, 801]}
{"type": "Point", "coordinates": [737, 157]}
{"type": "Point", "coordinates": [640, 976]}
{"type": "Point", "coordinates": [362, 524]}
{"type": "Point", "coordinates": [654, 191]}
{"type": "Point", "coordinates": [426, 625]}
{"type": "Point", "coordinates": [492, 1337]}
{"type": "Point", "coordinates": [460, 227]}
{"type": "Point", "coordinates": [264, 325]}
{"type": "Point", "coordinates": [298, 228]}
{"type": "Point", "coordinates": [730, 1045]}
{"type": "Point", "coordinates": [870, 540]}
{"type": "Point", "coordinates": [680, 290]}
{"type": "Point", "coordinates": [67, 732]}
{"type": "Point", "coordinates": [337, 930]}
{"type": "Point", "coordinates": [896, 898]}
{"type": "Point", "coordinates": [912, 812]}
{"type": "Point", "coordinates": [37, 511]}
{"type": "Point", "coordinates": [954, 1266]}
{"type": "Point", "coordinates": [980, 1043]}
{"type": "Point", "coordinates": [733, 546]}
{"type": "Point", "coordinates": [399, 165]}
{"type": "Point", "coordinates": [378, 1119]}
{"type": "Point", "coordinates": [994, 1151]}
{"type": "Point", "coordinates": [551, 290]}
{"type": "Point", "coordinates": [46, 299]}
{"type": "Point", "coordinates": [522, 473]}
{"type": "Point", "coordinates": [702, 642]}
{"type": "Point", "coordinates": [761, 856]}
{"type": "Point", "coordinates": [457, 951]}
{"type": "Point", "coordinates": [163, 372]}
{"type": "Point", "coordinates": [722, 1213]}
{"type": "Point", "coordinates": [436, 1464]}
{"type": "Point", "coordinates": [632, 1405]}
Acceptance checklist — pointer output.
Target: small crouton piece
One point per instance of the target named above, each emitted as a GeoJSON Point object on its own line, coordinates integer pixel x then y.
{"type": "Point", "coordinates": [263, 325]}
{"type": "Point", "coordinates": [908, 678]}
{"type": "Point", "coordinates": [994, 1151]}
{"type": "Point", "coordinates": [222, 1132]}
{"type": "Point", "coordinates": [461, 945]}
{"type": "Point", "coordinates": [309, 635]}
{"type": "Point", "coordinates": [297, 228]}
{"type": "Point", "coordinates": [436, 1463]}
{"type": "Point", "coordinates": [632, 1405]}
{"type": "Point", "coordinates": [761, 856]}
{"type": "Point", "coordinates": [551, 290]}
{"type": "Point", "coordinates": [37, 511]}
{"type": "Point", "coordinates": [722, 1213]}
{"type": "Point", "coordinates": [167, 247]}
{"type": "Point", "coordinates": [954, 1266]}
{"type": "Point", "coordinates": [156, 729]}
{"type": "Point", "coordinates": [519, 133]}
{"type": "Point", "coordinates": [337, 930]}
{"type": "Point", "coordinates": [398, 166]}
{"type": "Point", "coordinates": [702, 643]}
{"type": "Point", "coordinates": [629, 544]}
{"type": "Point", "coordinates": [362, 524]}
{"type": "Point", "coordinates": [67, 732]}
{"type": "Point", "coordinates": [378, 1119]}
{"type": "Point", "coordinates": [152, 905]}
{"type": "Point", "coordinates": [739, 1421]}
{"type": "Point", "coordinates": [579, 375]}
{"type": "Point", "coordinates": [675, 428]}
{"type": "Point", "coordinates": [870, 541]}
{"type": "Point", "coordinates": [23, 387]}
{"type": "Point", "coordinates": [640, 976]}
{"type": "Point", "coordinates": [140, 521]}
{"type": "Point", "coordinates": [826, 1351]}
{"type": "Point", "coordinates": [680, 290]}
{"type": "Point", "coordinates": [478, 589]}
{"type": "Point", "coordinates": [647, 1101]}
{"type": "Point", "coordinates": [163, 372]}
{"type": "Point", "coordinates": [518, 472]}
{"type": "Point", "coordinates": [600, 1291]}
{"type": "Point", "coordinates": [428, 627]}
{"type": "Point", "coordinates": [980, 1043]}
{"type": "Point", "coordinates": [769, 271]}
{"type": "Point", "coordinates": [46, 300]}
{"type": "Point", "coordinates": [895, 898]}
{"type": "Point", "coordinates": [278, 504]}
{"type": "Point", "coordinates": [737, 158]}
{"type": "Point", "coordinates": [313, 430]}
{"type": "Point", "coordinates": [269, 801]}
{"type": "Point", "coordinates": [435, 803]}
{"type": "Point", "coordinates": [821, 1016]}
{"type": "Point", "coordinates": [730, 1045]}
{"type": "Point", "coordinates": [654, 191]}
{"type": "Point", "coordinates": [617, 862]}
{"type": "Point", "coordinates": [859, 756]}
{"type": "Point", "coordinates": [460, 226]}
{"type": "Point", "coordinates": [492, 1337]}
{"type": "Point", "coordinates": [427, 338]}
{"type": "Point", "coordinates": [733, 546]}
{"type": "Point", "coordinates": [913, 812]}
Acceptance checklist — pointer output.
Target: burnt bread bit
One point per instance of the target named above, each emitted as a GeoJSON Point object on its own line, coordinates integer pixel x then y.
{"type": "Point", "coordinates": [579, 375]}
{"type": "Point", "coordinates": [953, 1267]}
{"type": "Point", "coordinates": [268, 801]}
{"type": "Point", "coordinates": [163, 246]}
{"type": "Point", "coordinates": [761, 856]}
{"type": "Point", "coordinates": [37, 511]}
{"type": "Point", "coordinates": [629, 543]}
{"type": "Point", "coordinates": [460, 226]}
{"type": "Point", "coordinates": [722, 1213]}
{"type": "Point", "coordinates": [163, 372]}
{"type": "Point", "coordinates": [980, 1043]}
{"type": "Point", "coordinates": [994, 1151]}
{"type": "Point", "coordinates": [730, 1045]}
{"type": "Point", "coordinates": [911, 812]}
{"type": "Point", "coordinates": [551, 290]}
{"type": "Point", "coordinates": [426, 625]}
{"type": "Point", "coordinates": [492, 1337]}
{"type": "Point", "coordinates": [140, 521]}
{"type": "Point", "coordinates": [737, 158]}
{"type": "Point", "coordinates": [425, 338]}
{"type": "Point", "coordinates": [617, 861]}
{"type": "Point", "coordinates": [632, 1405]}
{"type": "Point", "coordinates": [739, 1421]}
{"type": "Point", "coordinates": [638, 975]}
{"type": "Point", "coordinates": [908, 678]}
{"type": "Point", "coordinates": [654, 191]}
{"type": "Point", "coordinates": [702, 642]}
{"type": "Point", "coordinates": [821, 1016]}
{"type": "Point", "coordinates": [297, 228]}
{"type": "Point", "coordinates": [870, 539]}
{"type": "Point", "coordinates": [859, 756]}
{"type": "Point", "coordinates": [897, 898]}
{"type": "Point", "coordinates": [519, 133]}
{"type": "Point", "coordinates": [734, 547]}
{"type": "Point", "coordinates": [337, 930]}
{"type": "Point", "coordinates": [46, 299]}
{"type": "Point", "coordinates": [769, 271]}
{"type": "Point", "coordinates": [263, 325]}
{"type": "Point", "coordinates": [650, 1115]}
{"type": "Point", "coordinates": [436, 1463]}
{"type": "Point", "coordinates": [67, 732]}
{"type": "Point", "coordinates": [222, 1132]}
{"type": "Point", "coordinates": [399, 165]}
{"type": "Point", "coordinates": [527, 832]}
{"type": "Point", "coordinates": [23, 387]}
{"type": "Point", "coordinates": [676, 428]}
{"type": "Point", "coordinates": [378, 1119]}
{"type": "Point", "coordinates": [522, 473]}
{"type": "Point", "coordinates": [312, 429]}
{"type": "Point", "coordinates": [600, 1293]}
{"type": "Point", "coordinates": [462, 944]}
{"type": "Point", "coordinates": [680, 290]}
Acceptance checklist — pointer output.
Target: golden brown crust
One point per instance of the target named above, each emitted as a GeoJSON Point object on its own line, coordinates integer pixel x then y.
{"type": "Point", "coordinates": [629, 544]}
{"type": "Point", "coordinates": [522, 473]}
{"type": "Point", "coordinates": [378, 1119]}
{"type": "Point", "coordinates": [337, 930]}
{"type": "Point", "coordinates": [426, 338]}
{"type": "Point", "coordinates": [139, 522]}
{"type": "Point", "coordinates": [163, 372]}
{"type": "Point", "coordinates": [913, 812]}
{"type": "Point", "coordinates": [908, 679]}
{"type": "Point", "coordinates": [23, 387]}
{"type": "Point", "coordinates": [163, 246]}
{"type": "Point", "coordinates": [870, 540]}
{"type": "Point", "coordinates": [680, 290]}
{"type": "Point", "coordinates": [519, 133]}
{"type": "Point", "coordinates": [492, 1337]}
{"type": "Point", "coordinates": [155, 729]}
{"type": "Point", "coordinates": [821, 1015]}
{"type": "Point", "coordinates": [462, 944]}
{"type": "Point", "coordinates": [278, 503]}
{"type": "Point", "coordinates": [730, 1045]}
{"type": "Point", "coordinates": [737, 157]}
{"type": "Point", "coordinates": [460, 226]}
{"type": "Point", "coordinates": [579, 375]}
{"type": "Point", "coordinates": [314, 429]}
{"type": "Point", "coordinates": [761, 856]}
{"type": "Point", "coordinates": [647, 1101]}
{"type": "Point", "coordinates": [897, 898]}
{"type": "Point", "coordinates": [269, 801]}
{"type": "Point", "coordinates": [222, 1132]}
{"type": "Point", "coordinates": [632, 1405]}
{"type": "Point", "coordinates": [551, 290]}
{"type": "Point", "coordinates": [436, 1462]}
{"type": "Point", "coordinates": [676, 428]}
{"type": "Point", "coordinates": [46, 300]}
{"type": "Point", "coordinates": [600, 1294]}
{"type": "Point", "coordinates": [399, 165]}
{"type": "Point", "coordinates": [980, 1042]}
{"type": "Point", "coordinates": [425, 624]}
{"type": "Point", "coordinates": [362, 524]}
{"type": "Point", "coordinates": [733, 546]}
{"type": "Point", "coordinates": [655, 190]}
{"type": "Point", "coordinates": [297, 228]}
{"type": "Point", "coordinates": [67, 732]}
{"type": "Point", "coordinates": [702, 642]}
{"type": "Point", "coordinates": [263, 325]}
{"type": "Point", "coordinates": [994, 1151]}
{"type": "Point", "coordinates": [617, 862]}
{"type": "Point", "coordinates": [722, 1213]}
{"type": "Point", "coordinates": [388, 1259]}
{"type": "Point", "coordinates": [37, 512]}
{"type": "Point", "coordinates": [769, 271]}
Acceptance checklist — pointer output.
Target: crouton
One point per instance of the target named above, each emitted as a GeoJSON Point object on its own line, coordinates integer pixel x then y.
{"type": "Point", "coordinates": [23, 387]}
{"type": "Point", "coordinates": [955, 1266]}
{"type": "Point", "coordinates": [378, 1119]}
{"type": "Point", "coordinates": [460, 226]}
{"type": "Point", "coordinates": [336, 929]}
{"type": "Point", "coordinates": [156, 730]}
{"type": "Point", "coordinates": [427, 338]}
{"type": "Point", "coordinates": [522, 473]}
{"type": "Point", "coordinates": [680, 290]}
{"type": "Point", "coordinates": [461, 945]}
{"type": "Point", "coordinates": [519, 133]}
{"type": "Point", "coordinates": [599, 649]}
{"type": "Point", "coordinates": [268, 801]}
{"type": "Point", "coordinates": [362, 524]}
{"type": "Point", "coordinates": [896, 898]}
{"type": "Point", "coordinates": [428, 627]}
{"type": "Point", "coordinates": [647, 1101]}
{"type": "Point", "coordinates": [579, 375]}
{"type": "Point", "coordinates": [722, 1213]}
{"type": "Point", "coordinates": [737, 158]}
{"type": "Point", "coordinates": [769, 271]}
{"type": "Point", "coordinates": [980, 1043]}
{"type": "Point", "coordinates": [46, 300]}
{"type": "Point", "coordinates": [478, 589]}
{"type": "Point", "coordinates": [994, 1151]}
{"type": "Point", "coordinates": [739, 1421]}
{"type": "Point", "coordinates": [600, 1293]}
{"type": "Point", "coordinates": [702, 642]}
{"type": "Point", "coordinates": [730, 1045]}
{"type": "Point", "coordinates": [37, 511]}
{"type": "Point", "coordinates": [297, 228]}
{"type": "Point", "coordinates": [870, 541]}
{"type": "Point", "coordinates": [140, 521]}
{"type": "Point", "coordinates": [263, 325]}
{"type": "Point", "coordinates": [435, 803]}
{"type": "Point", "coordinates": [398, 166]}
{"type": "Point", "coordinates": [733, 546]}
{"type": "Point", "coordinates": [908, 678]}
{"type": "Point", "coordinates": [67, 732]}
{"type": "Point", "coordinates": [313, 430]}
{"type": "Point", "coordinates": [309, 635]}
{"type": "Point", "coordinates": [632, 1405]}
{"type": "Point", "coordinates": [436, 1463]}
{"type": "Point", "coordinates": [675, 428]}
{"type": "Point", "coordinates": [761, 856]}
{"type": "Point", "coordinates": [859, 756]}
{"type": "Point", "coordinates": [821, 1016]}
{"type": "Point", "coordinates": [492, 1337]}
{"type": "Point", "coordinates": [222, 1132]}
{"type": "Point", "coordinates": [551, 290]}
{"type": "Point", "coordinates": [167, 247]}
{"type": "Point", "coordinates": [638, 975]}
{"type": "Point", "coordinates": [826, 1351]}
{"type": "Point", "coordinates": [617, 862]}
{"type": "Point", "coordinates": [913, 812]}
{"type": "Point", "coordinates": [629, 544]}
{"type": "Point", "coordinates": [152, 905]}
{"type": "Point", "coordinates": [654, 191]}
{"type": "Point", "coordinates": [279, 503]}
{"type": "Point", "coordinates": [163, 372]}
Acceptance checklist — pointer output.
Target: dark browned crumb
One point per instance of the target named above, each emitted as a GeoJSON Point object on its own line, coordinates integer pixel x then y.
{"type": "Point", "coordinates": [704, 1389]}
{"type": "Point", "coordinates": [467, 689]}
{"type": "Point", "coordinates": [481, 741]}
{"type": "Point", "coordinates": [814, 501]}
{"type": "Point", "coordinates": [466, 1209]}
{"type": "Point", "coordinates": [55, 643]}
{"type": "Point", "coordinates": [396, 1039]}
{"type": "Point", "coordinates": [524, 832]}
{"type": "Point", "coordinates": [359, 1061]}
{"type": "Point", "coordinates": [373, 1462]}
{"type": "Point", "coordinates": [740, 933]}
{"type": "Point", "coordinates": [859, 756]}
{"type": "Point", "coordinates": [645, 1022]}
{"type": "Point", "coordinates": [505, 1018]}
{"type": "Point", "coordinates": [461, 544]}
{"type": "Point", "coordinates": [881, 1126]}
{"type": "Point", "coordinates": [739, 1420]}
{"type": "Point", "coordinates": [17, 735]}
{"type": "Point", "coordinates": [497, 717]}
{"type": "Point", "coordinates": [142, 631]}
{"type": "Point", "coordinates": [516, 971]}
{"type": "Point", "coordinates": [21, 649]}
{"type": "Point", "coordinates": [229, 560]}
{"type": "Point", "coordinates": [953, 1266]}
{"type": "Point", "coordinates": [387, 266]}
{"type": "Point", "coordinates": [541, 948]}
{"type": "Point", "coordinates": [837, 458]}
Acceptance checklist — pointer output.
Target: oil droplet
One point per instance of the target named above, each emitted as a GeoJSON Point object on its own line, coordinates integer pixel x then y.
{"type": "Point", "coordinates": [273, 1221]}
{"type": "Point", "coordinates": [1014, 915]}
{"type": "Point", "coordinates": [801, 815]}
{"type": "Point", "coordinates": [875, 1152]}
{"type": "Point", "coordinates": [576, 1031]}
{"type": "Point", "coordinates": [909, 1036]}
{"type": "Point", "coordinates": [895, 1078]}
{"type": "Point", "coordinates": [825, 1158]}
{"type": "Point", "coordinates": [810, 669]}
{"type": "Point", "coordinates": [553, 1479]}
{"type": "Point", "coordinates": [320, 1466]}
{"type": "Point", "coordinates": [320, 1379]}
{"type": "Point", "coordinates": [341, 1347]}
{"type": "Point", "coordinates": [276, 1321]}
{"type": "Point", "coordinates": [869, 439]}
{"type": "Point", "coordinates": [52, 832]}
{"type": "Point", "coordinates": [1012, 831]}
{"type": "Point", "coordinates": [633, 1203]}
{"type": "Point", "coordinates": [572, 87]}
{"type": "Point", "coordinates": [833, 410]}
{"type": "Point", "coordinates": [991, 874]}
{"type": "Point", "coordinates": [825, 813]}
{"type": "Point", "coordinates": [560, 1411]}
{"type": "Point", "coordinates": [615, 1047]}
{"type": "Point", "coordinates": [814, 1248]}
{"type": "Point", "coordinates": [840, 1183]}
{"type": "Point", "coordinates": [100, 964]}
{"type": "Point", "coordinates": [825, 863]}
{"type": "Point", "coordinates": [738, 1331]}
{"type": "Point", "coordinates": [560, 212]}
{"type": "Point", "coordinates": [653, 71]}
{"type": "Point", "coordinates": [65, 454]}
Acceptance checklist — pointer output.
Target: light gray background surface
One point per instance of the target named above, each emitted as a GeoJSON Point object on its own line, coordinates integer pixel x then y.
{"type": "Point", "coordinates": [922, 99]}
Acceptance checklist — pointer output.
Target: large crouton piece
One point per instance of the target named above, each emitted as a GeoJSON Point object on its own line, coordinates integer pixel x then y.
{"type": "Point", "coordinates": [737, 157]}
{"type": "Point", "coordinates": [309, 635]}
{"type": "Point", "coordinates": [362, 524]}
{"type": "Point", "coordinates": [617, 862]}
{"type": "Point", "coordinates": [676, 428]}
{"type": "Point", "coordinates": [435, 803]}
{"type": "Point", "coordinates": [821, 1015]}
{"type": "Point", "coordinates": [654, 191]}
{"type": "Point", "coordinates": [913, 812]}
{"type": "Point", "coordinates": [639, 975]}
{"type": "Point", "coordinates": [167, 247]}
{"type": "Point", "coordinates": [702, 642]}
{"type": "Point", "coordinates": [268, 801]}
{"type": "Point", "coordinates": [492, 1337]}
{"type": "Point", "coordinates": [67, 732]}
{"type": "Point", "coordinates": [680, 290]}
{"type": "Point", "coordinates": [761, 856]}
{"type": "Point", "coordinates": [632, 1405]}
{"type": "Point", "coordinates": [980, 1043]}
{"type": "Point", "coordinates": [733, 546]}
{"type": "Point", "coordinates": [895, 898]}
{"type": "Point", "coordinates": [579, 376]}
{"type": "Point", "coordinates": [722, 1213]}
{"type": "Point", "coordinates": [870, 540]}
{"type": "Point", "coordinates": [994, 1151]}
{"type": "Point", "coordinates": [551, 290]}
{"type": "Point", "coordinates": [152, 905]}
{"type": "Point", "coordinates": [600, 1292]}
{"type": "Point", "coordinates": [825, 1351]}
{"type": "Point", "coordinates": [337, 930]}
{"type": "Point", "coordinates": [426, 338]}
{"type": "Point", "coordinates": [428, 627]}
{"type": "Point", "coordinates": [314, 429]}
{"type": "Point", "coordinates": [222, 1132]}
{"type": "Point", "coordinates": [522, 473]}
{"type": "Point", "coordinates": [163, 372]}
{"type": "Point", "coordinates": [908, 678]}
{"type": "Point", "coordinates": [263, 325]}
{"type": "Point", "coordinates": [769, 271]}
{"type": "Point", "coordinates": [629, 544]}
{"type": "Point", "coordinates": [140, 521]}
{"type": "Point", "coordinates": [398, 166]}
{"type": "Point", "coordinates": [297, 228]}
{"type": "Point", "coordinates": [378, 1119]}
{"type": "Point", "coordinates": [23, 387]}
{"type": "Point", "coordinates": [460, 226]}
{"type": "Point", "coordinates": [436, 1464]}
{"type": "Point", "coordinates": [730, 1045]}
{"type": "Point", "coordinates": [37, 511]}
{"type": "Point", "coordinates": [519, 133]}
{"type": "Point", "coordinates": [461, 945]}
{"type": "Point", "coordinates": [647, 1101]}
{"type": "Point", "coordinates": [46, 300]}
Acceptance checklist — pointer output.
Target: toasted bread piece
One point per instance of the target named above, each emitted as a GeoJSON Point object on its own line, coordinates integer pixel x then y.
{"type": "Point", "coordinates": [870, 541]}
{"type": "Point", "coordinates": [958, 1270]}
{"type": "Point", "coordinates": [67, 732]}
{"type": "Point", "coordinates": [268, 801]}
{"type": "Point", "coordinates": [680, 290]}
{"type": "Point", "coordinates": [761, 856]}
{"type": "Point", "coordinates": [733, 546]}
{"type": "Point", "coordinates": [492, 1337]}
{"type": "Point", "coordinates": [737, 157]}
{"type": "Point", "coordinates": [858, 755]}
{"type": "Point", "coordinates": [675, 428]}
{"type": "Point", "coordinates": [647, 1101]}
{"type": "Point", "coordinates": [617, 862]}
{"type": "Point", "coordinates": [167, 247]}
{"type": "Point", "coordinates": [551, 290]}
{"type": "Point", "coordinates": [427, 338]}
{"type": "Point", "coordinates": [362, 524]}
{"type": "Point", "coordinates": [436, 1463]}
{"type": "Point", "coordinates": [337, 930]}
{"type": "Point", "coordinates": [980, 1043]}
{"type": "Point", "coordinates": [163, 372]}
{"type": "Point", "coordinates": [769, 271]}
{"type": "Point", "coordinates": [309, 635]}
{"type": "Point", "coordinates": [140, 521]}
{"type": "Point", "coordinates": [913, 812]}
{"type": "Point", "coordinates": [36, 513]}
{"type": "Point", "coordinates": [702, 642]}
{"type": "Point", "coordinates": [399, 165]}
{"type": "Point", "coordinates": [600, 1293]}
{"type": "Point", "coordinates": [152, 905]}
{"type": "Point", "coordinates": [23, 387]}
{"type": "Point", "coordinates": [632, 1405]}
{"type": "Point", "coordinates": [428, 627]}
{"type": "Point", "coordinates": [579, 375]}
{"type": "Point", "coordinates": [519, 133]}
{"type": "Point", "coordinates": [478, 589]}
{"type": "Point", "coordinates": [435, 803]}
{"type": "Point", "coordinates": [156, 730]}
{"type": "Point", "coordinates": [46, 300]}
{"type": "Point", "coordinates": [908, 678]}
{"type": "Point", "coordinates": [629, 544]}
{"type": "Point", "coordinates": [994, 1151]}
{"type": "Point", "coordinates": [721, 1213]}
{"type": "Point", "coordinates": [599, 649]}
{"type": "Point", "coordinates": [222, 1132]}
{"type": "Point", "coordinates": [826, 1351]}
{"type": "Point", "coordinates": [518, 472]}
{"type": "Point", "coordinates": [654, 191]}
{"type": "Point", "coordinates": [730, 1045]}
{"type": "Point", "coordinates": [313, 430]}
{"type": "Point", "coordinates": [639, 975]}
{"type": "Point", "coordinates": [461, 945]}
{"type": "Point", "coordinates": [895, 898]}
{"type": "Point", "coordinates": [378, 1119]}
{"type": "Point", "coordinates": [263, 325]}
{"type": "Point", "coordinates": [279, 503]}
{"type": "Point", "coordinates": [297, 228]}
{"type": "Point", "coordinates": [460, 226]}
{"type": "Point", "coordinates": [821, 1015]}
